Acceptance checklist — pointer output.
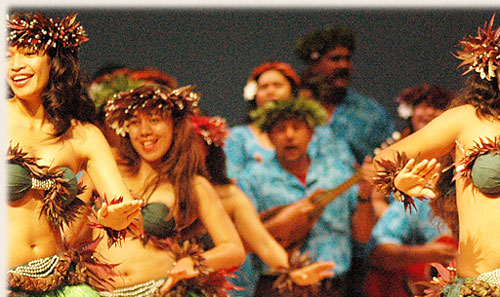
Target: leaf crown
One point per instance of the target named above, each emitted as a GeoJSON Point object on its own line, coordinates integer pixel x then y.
{"type": "Point", "coordinates": [274, 112]}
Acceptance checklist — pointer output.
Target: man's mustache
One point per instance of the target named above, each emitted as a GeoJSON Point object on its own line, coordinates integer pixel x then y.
{"type": "Point", "coordinates": [340, 73]}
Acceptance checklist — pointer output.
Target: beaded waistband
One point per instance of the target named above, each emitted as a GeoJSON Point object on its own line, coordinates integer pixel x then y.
{"type": "Point", "coordinates": [492, 277]}
{"type": "Point", "coordinates": [37, 268]}
{"type": "Point", "coordinates": [147, 289]}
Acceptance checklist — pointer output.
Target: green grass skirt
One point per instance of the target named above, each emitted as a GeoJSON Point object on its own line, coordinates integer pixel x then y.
{"type": "Point", "coordinates": [82, 290]}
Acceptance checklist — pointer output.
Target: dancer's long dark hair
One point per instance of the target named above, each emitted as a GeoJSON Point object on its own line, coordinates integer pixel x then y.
{"type": "Point", "coordinates": [64, 98]}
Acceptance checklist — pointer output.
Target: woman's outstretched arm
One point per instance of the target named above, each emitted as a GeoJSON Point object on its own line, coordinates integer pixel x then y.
{"type": "Point", "coordinates": [104, 174]}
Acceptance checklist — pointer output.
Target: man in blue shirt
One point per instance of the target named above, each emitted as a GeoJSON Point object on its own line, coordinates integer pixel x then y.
{"type": "Point", "coordinates": [362, 121]}
{"type": "Point", "coordinates": [358, 119]}
{"type": "Point", "coordinates": [401, 239]}
{"type": "Point", "coordinates": [294, 174]}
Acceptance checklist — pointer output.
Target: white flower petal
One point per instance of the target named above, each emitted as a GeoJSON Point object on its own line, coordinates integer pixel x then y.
{"type": "Point", "coordinates": [405, 110]}
{"type": "Point", "coordinates": [250, 90]}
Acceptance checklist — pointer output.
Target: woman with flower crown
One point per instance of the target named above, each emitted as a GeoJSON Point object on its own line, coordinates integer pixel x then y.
{"type": "Point", "coordinates": [246, 144]}
{"type": "Point", "coordinates": [118, 78]}
{"type": "Point", "coordinates": [49, 128]}
{"type": "Point", "coordinates": [470, 132]}
{"type": "Point", "coordinates": [158, 162]}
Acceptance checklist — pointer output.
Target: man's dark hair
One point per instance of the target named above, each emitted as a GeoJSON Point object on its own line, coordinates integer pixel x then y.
{"type": "Point", "coordinates": [310, 47]}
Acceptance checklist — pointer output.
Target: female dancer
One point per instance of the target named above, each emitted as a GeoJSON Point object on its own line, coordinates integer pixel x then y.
{"type": "Point", "coordinates": [470, 132]}
{"type": "Point", "coordinates": [104, 86]}
{"type": "Point", "coordinates": [158, 163]}
{"type": "Point", "coordinates": [246, 144]}
{"type": "Point", "coordinates": [211, 134]}
{"type": "Point", "coordinates": [49, 128]}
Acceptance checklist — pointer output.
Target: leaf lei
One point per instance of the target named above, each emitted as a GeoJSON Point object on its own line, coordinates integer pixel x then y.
{"type": "Point", "coordinates": [106, 86]}
{"type": "Point", "coordinates": [273, 112]}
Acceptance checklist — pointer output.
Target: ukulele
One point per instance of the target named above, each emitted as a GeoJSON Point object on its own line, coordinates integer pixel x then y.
{"type": "Point", "coordinates": [292, 234]}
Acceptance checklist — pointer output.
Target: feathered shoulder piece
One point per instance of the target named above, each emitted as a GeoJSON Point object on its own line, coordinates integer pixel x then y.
{"type": "Point", "coordinates": [39, 33]}
{"type": "Point", "coordinates": [481, 53]}
{"type": "Point", "coordinates": [120, 108]}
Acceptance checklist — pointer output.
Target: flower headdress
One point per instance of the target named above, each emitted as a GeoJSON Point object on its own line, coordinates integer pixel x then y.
{"type": "Point", "coordinates": [482, 52]}
{"type": "Point", "coordinates": [121, 106]}
{"type": "Point", "coordinates": [250, 89]}
{"type": "Point", "coordinates": [124, 79]}
{"type": "Point", "coordinates": [41, 33]}
{"type": "Point", "coordinates": [212, 129]}
{"type": "Point", "coordinates": [271, 113]}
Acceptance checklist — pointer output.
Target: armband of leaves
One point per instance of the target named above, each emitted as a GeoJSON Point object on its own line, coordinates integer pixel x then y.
{"type": "Point", "coordinates": [285, 284]}
{"type": "Point", "coordinates": [384, 179]}
{"type": "Point", "coordinates": [208, 282]}
{"type": "Point", "coordinates": [115, 237]}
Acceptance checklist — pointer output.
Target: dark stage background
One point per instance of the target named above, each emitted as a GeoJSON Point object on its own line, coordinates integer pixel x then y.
{"type": "Point", "coordinates": [216, 49]}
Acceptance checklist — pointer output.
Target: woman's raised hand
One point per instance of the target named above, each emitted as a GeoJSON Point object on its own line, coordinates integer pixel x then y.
{"type": "Point", "coordinates": [419, 180]}
{"type": "Point", "coordinates": [312, 273]}
{"type": "Point", "coordinates": [118, 216]}
{"type": "Point", "coordinates": [183, 269]}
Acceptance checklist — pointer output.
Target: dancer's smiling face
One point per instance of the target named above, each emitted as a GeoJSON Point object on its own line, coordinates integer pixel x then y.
{"type": "Point", "coordinates": [28, 72]}
{"type": "Point", "coordinates": [151, 134]}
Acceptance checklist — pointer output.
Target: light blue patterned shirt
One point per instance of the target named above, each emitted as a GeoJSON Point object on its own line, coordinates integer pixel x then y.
{"type": "Point", "coordinates": [268, 184]}
{"type": "Point", "coordinates": [363, 122]}
{"type": "Point", "coordinates": [398, 226]}
{"type": "Point", "coordinates": [242, 148]}
{"type": "Point", "coordinates": [332, 165]}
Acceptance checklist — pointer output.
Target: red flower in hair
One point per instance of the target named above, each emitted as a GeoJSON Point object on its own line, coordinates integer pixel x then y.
{"type": "Point", "coordinates": [212, 129]}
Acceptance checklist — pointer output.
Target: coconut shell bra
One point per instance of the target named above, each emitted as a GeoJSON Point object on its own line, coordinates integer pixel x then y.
{"type": "Point", "coordinates": [153, 215]}
{"type": "Point", "coordinates": [158, 227]}
{"type": "Point", "coordinates": [59, 185]}
{"type": "Point", "coordinates": [21, 181]}
{"type": "Point", "coordinates": [482, 165]}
